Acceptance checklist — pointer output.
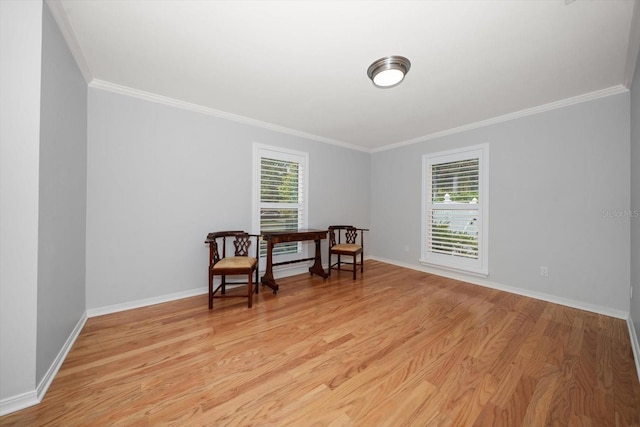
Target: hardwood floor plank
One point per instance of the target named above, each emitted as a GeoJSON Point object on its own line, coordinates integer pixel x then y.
{"type": "Point", "coordinates": [467, 408]}
{"type": "Point", "coordinates": [513, 412]}
{"type": "Point", "coordinates": [541, 399]}
{"type": "Point", "coordinates": [394, 347]}
{"type": "Point", "coordinates": [625, 396]}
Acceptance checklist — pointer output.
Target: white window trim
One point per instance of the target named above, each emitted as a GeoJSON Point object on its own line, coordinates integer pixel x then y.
{"type": "Point", "coordinates": [479, 267]}
{"type": "Point", "coordinates": [263, 150]}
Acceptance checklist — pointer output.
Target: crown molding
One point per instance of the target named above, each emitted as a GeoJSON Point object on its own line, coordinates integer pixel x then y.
{"type": "Point", "coordinates": [148, 96]}
{"type": "Point", "coordinates": [522, 113]}
{"type": "Point", "coordinates": [59, 15]}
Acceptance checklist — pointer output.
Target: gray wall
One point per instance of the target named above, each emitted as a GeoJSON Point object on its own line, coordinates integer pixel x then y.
{"type": "Point", "coordinates": [635, 199]}
{"type": "Point", "coordinates": [20, 60]}
{"type": "Point", "coordinates": [557, 181]}
{"type": "Point", "coordinates": [63, 196]}
{"type": "Point", "coordinates": [160, 178]}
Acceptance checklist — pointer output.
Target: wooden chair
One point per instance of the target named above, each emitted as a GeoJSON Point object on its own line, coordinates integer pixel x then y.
{"type": "Point", "coordinates": [241, 263]}
{"type": "Point", "coordinates": [348, 234]}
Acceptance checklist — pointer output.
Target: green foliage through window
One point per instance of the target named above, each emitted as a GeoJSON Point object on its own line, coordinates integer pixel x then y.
{"type": "Point", "coordinates": [280, 198]}
{"type": "Point", "coordinates": [458, 179]}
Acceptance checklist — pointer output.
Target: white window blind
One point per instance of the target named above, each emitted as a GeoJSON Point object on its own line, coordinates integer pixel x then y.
{"type": "Point", "coordinates": [282, 194]}
{"type": "Point", "coordinates": [454, 231]}
{"type": "Point", "coordinates": [455, 210]}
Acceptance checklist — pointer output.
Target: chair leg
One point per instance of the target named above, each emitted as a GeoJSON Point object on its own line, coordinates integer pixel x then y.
{"type": "Point", "coordinates": [210, 288]}
{"type": "Point", "coordinates": [250, 290]}
{"type": "Point", "coordinates": [361, 263]}
{"type": "Point", "coordinates": [355, 258]}
{"type": "Point", "coordinates": [257, 280]}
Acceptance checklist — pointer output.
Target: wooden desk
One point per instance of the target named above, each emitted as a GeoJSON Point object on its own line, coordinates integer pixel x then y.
{"type": "Point", "coordinates": [275, 237]}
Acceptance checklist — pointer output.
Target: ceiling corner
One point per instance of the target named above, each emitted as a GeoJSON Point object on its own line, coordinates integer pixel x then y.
{"type": "Point", "coordinates": [59, 15]}
{"type": "Point", "coordinates": [634, 45]}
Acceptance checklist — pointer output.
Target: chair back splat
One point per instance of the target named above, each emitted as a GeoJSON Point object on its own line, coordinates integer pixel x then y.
{"type": "Point", "coordinates": [241, 263]}
{"type": "Point", "coordinates": [343, 241]}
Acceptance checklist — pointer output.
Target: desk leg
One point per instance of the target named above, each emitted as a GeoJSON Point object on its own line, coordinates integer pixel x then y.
{"type": "Point", "coordinates": [316, 268]}
{"type": "Point", "coordinates": [268, 278]}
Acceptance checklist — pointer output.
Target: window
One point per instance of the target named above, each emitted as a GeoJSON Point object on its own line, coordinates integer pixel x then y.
{"type": "Point", "coordinates": [280, 193]}
{"type": "Point", "coordinates": [455, 202]}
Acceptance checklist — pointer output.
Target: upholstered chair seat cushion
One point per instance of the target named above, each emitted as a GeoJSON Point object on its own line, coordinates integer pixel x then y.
{"type": "Point", "coordinates": [346, 248]}
{"type": "Point", "coordinates": [235, 262]}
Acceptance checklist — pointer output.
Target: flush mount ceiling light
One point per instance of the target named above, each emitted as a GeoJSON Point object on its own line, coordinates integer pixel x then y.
{"type": "Point", "coordinates": [388, 71]}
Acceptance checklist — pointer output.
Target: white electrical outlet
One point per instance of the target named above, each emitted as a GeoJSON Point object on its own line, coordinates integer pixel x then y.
{"type": "Point", "coordinates": [544, 271]}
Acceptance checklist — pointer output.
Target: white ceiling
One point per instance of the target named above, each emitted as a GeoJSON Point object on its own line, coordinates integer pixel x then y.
{"type": "Point", "coordinates": [300, 66]}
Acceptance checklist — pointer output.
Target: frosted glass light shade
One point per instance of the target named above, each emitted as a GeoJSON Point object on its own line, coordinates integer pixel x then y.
{"type": "Point", "coordinates": [388, 78]}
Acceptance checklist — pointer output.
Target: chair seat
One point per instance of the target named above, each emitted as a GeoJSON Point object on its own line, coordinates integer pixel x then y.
{"type": "Point", "coordinates": [238, 264]}
{"type": "Point", "coordinates": [346, 248]}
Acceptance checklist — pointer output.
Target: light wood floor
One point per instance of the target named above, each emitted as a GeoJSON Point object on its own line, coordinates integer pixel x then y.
{"type": "Point", "coordinates": [398, 347]}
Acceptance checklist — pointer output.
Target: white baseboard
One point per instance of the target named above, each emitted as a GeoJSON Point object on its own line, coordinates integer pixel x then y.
{"type": "Point", "coordinates": [635, 346]}
{"type": "Point", "coordinates": [581, 305]}
{"type": "Point", "coordinates": [115, 308]}
{"type": "Point", "coordinates": [93, 312]}
{"type": "Point", "coordinates": [18, 402]}
{"type": "Point", "coordinates": [278, 273]}
{"type": "Point", "coordinates": [59, 360]}
{"type": "Point", "coordinates": [31, 398]}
